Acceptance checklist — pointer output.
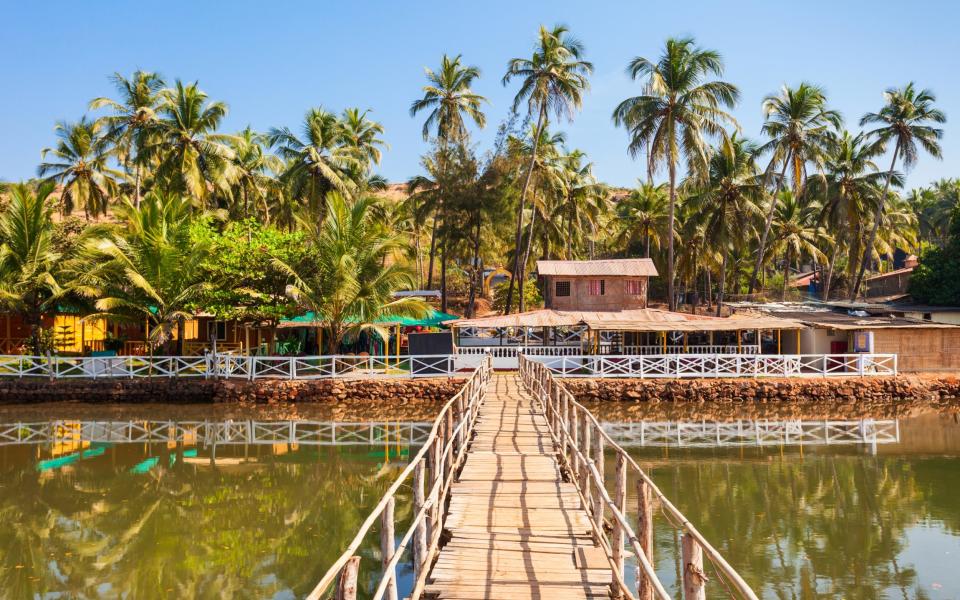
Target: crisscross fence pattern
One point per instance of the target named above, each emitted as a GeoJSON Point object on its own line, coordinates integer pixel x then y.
{"type": "Point", "coordinates": [582, 443]}
{"type": "Point", "coordinates": [431, 473]}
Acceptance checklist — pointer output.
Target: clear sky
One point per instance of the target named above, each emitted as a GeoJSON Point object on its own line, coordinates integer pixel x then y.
{"type": "Point", "coordinates": [271, 61]}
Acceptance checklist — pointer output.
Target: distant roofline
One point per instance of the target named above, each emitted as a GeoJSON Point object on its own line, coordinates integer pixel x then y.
{"type": "Point", "coordinates": [609, 267]}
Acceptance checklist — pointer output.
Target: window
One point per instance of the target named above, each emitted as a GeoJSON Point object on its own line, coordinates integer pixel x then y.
{"type": "Point", "coordinates": [634, 287]}
{"type": "Point", "coordinates": [597, 287]}
{"type": "Point", "coordinates": [562, 288]}
{"type": "Point", "coordinates": [217, 329]}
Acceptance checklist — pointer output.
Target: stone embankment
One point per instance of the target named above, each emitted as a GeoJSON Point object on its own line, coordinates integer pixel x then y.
{"type": "Point", "coordinates": [847, 397]}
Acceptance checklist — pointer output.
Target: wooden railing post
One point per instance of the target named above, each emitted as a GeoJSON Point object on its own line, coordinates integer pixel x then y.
{"type": "Point", "coordinates": [585, 474]}
{"type": "Point", "coordinates": [575, 442]}
{"type": "Point", "coordinates": [644, 536]}
{"type": "Point", "coordinates": [420, 536]}
{"type": "Point", "coordinates": [693, 578]}
{"type": "Point", "coordinates": [598, 460]}
{"type": "Point", "coordinates": [347, 583]}
{"type": "Point", "coordinates": [620, 498]}
{"type": "Point", "coordinates": [387, 547]}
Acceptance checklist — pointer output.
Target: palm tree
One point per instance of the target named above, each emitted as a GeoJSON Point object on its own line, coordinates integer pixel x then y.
{"type": "Point", "coordinates": [353, 277]}
{"type": "Point", "coordinates": [80, 165]}
{"type": "Point", "coordinates": [362, 135]}
{"type": "Point", "coordinates": [796, 232]}
{"type": "Point", "coordinates": [728, 198]}
{"type": "Point", "coordinates": [147, 269]}
{"type": "Point", "coordinates": [849, 190]}
{"type": "Point", "coordinates": [906, 121]}
{"type": "Point", "coordinates": [583, 203]}
{"type": "Point", "coordinates": [642, 216]}
{"type": "Point", "coordinates": [253, 172]}
{"type": "Point", "coordinates": [29, 264]}
{"type": "Point", "coordinates": [134, 115]}
{"type": "Point", "coordinates": [451, 102]}
{"type": "Point", "coordinates": [192, 159]}
{"type": "Point", "coordinates": [553, 80]}
{"type": "Point", "coordinates": [318, 161]}
{"type": "Point", "coordinates": [679, 108]}
{"type": "Point", "coordinates": [798, 123]}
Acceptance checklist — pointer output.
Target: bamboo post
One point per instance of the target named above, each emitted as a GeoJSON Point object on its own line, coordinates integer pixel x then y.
{"type": "Point", "coordinates": [420, 536]}
{"type": "Point", "coordinates": [598, 460]}
{"type": "Point", "coordinates": [779, 335]}
{"type": "Point", "coordinates": [645, 536]}
{"type": "Point", "coordinates": [585, 473]}
{"type": "Point", "coordinates": [575, 442]}
{"type": "Point", "coordinates": [620, 498]}
{"type": "Point", "coordinates": [693, 577]}
{"type": "Point", "coordinates": [387, 547]}
{"type": "Point", "coordinates": [347, 584]}
{"type": "Point", "coordinates": [798, 343]}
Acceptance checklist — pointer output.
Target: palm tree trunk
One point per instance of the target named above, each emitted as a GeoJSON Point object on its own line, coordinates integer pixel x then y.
{"type": "Point", "coordinates": [868, 251]}
{"type": "Point", "coordinates": [433, 247]}
{"type": "Point", "coordinates": [443, 271]}
{"type": "Point", "coordinates": [646, 251]}
{"type": "Point", "coordinates": [723, 281]}
{"type": "Point", "coordinates": [671, 267]}
{"type": "Point", "coordinates": [136, 188]}
{"type": "Point", "coordinates": [523, 263]}
{"type": "Point", "coordinates": [786, 275]}
{"type": "Point", "coordinates": [541, 118]}
{"type": "Point", "coordinates": [828, 275]}
{"type": "Point", "coordinates": [181, 331]}
{"type": "Point", "coordinates": [766, 230]}
{"type": "Point", "coordinates": [475, 272]}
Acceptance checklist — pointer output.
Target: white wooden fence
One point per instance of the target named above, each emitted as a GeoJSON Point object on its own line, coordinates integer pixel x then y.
{"type": "Point", "coordinates": [721, 365]}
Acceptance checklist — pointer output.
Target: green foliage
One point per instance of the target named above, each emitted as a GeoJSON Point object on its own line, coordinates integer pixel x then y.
{"type": "Point", "coordinates": [245, 283]}
{"type": "Point", "coordinates": [531, 293]}
{"type": "Point", "coordinates": [936, 280]}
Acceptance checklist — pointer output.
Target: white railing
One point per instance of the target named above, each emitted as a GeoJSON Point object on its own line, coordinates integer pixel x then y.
{"type": "Point", "coordinates": [583, 445]}
{"type": "Point", "coordinates": [722, 365]}
{"type": "Point", "coordinates": [430, 473]}
{"type": "Point", "coordinates": [513, 351]}
{"type": "Point", "coordinates": [236, 366]}
{"type": "Point", "coordinates": [691, 349]}
{"type": "Point", "coordinates": [714, 434]}
{"type": "Point", "coordinates": [306, 433]}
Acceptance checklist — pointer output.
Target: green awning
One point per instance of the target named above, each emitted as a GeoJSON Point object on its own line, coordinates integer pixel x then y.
{"type": "Point", "coordinates": [434, 318]}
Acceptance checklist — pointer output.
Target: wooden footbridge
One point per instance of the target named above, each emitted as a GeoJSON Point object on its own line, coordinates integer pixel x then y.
{"type": "Point", "coordinates": [510, 501]}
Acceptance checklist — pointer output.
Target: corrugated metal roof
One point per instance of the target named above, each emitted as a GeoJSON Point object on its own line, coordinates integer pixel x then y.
{"type": "Point", "coordinates": [622, 267]}
{"type": "Point", "coordinates": [645, 319]}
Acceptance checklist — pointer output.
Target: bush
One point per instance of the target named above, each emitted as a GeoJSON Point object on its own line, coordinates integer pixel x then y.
{"type": "Point", "coordinates": [531, 293]}
{"type": "Point", "coordinates": [936, 280]}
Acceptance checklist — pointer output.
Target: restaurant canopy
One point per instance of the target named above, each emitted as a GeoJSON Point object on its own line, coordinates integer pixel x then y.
{"type": "Point", "coordinates": [645, 319]}
{"type": "Point", "coordinates": [433, 318]}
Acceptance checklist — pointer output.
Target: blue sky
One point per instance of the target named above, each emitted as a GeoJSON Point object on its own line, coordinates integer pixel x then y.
{"type": "Point", "coordinates": [272, 61]}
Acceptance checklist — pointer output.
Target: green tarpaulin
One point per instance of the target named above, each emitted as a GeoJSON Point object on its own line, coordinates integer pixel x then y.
{"type": "Point", "coordinates": [434, 318]}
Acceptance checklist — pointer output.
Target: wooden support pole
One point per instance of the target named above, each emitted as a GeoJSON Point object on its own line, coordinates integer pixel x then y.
{"type": "Point", "coordinates": [798, 343]}
{"type": "Point", "coordinates": [694, 579]}
{"type": "Point", "coordinates": [347, 584]}
{"type": "Point", "coordinates": [645, 537]}
{"type": "Point", "coordinates": [738, 341]}
{"type": "Point", "coordinates": [620, 498]}
{"type": "Point", "coordinates": [575, 442]}
{"type": "Point", "coordinates": [585, 473]}
{"type": "Point", "coordinates": [420, 535]}
{"type": "Point", "coordinates": [779, 344]}
{"type": "Point", "coordinates": [387, 547]}
{"type": "Point", "coordinates": [598, 460]}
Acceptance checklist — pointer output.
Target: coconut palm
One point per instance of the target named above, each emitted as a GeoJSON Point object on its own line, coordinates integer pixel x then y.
{"type": "Point", "coordinates": [318, 161]}
{"type": "Point", "coordinates": [362, 135]}
{"type": "Point", "coordinates": [907, 120]}
{"type": "Point", "coordinates": [134, 115]}
{"type": "Point", "coordinates": [553, 80]}
{"type": "Point", "coordinates": [353, 278]}
{"type": "Point", "coordinates": [450, 100]}
{"type": "Point", "coordinates": [798, 123]}
{"type": "Point", "coordinates": [148, 269]}
{"type": "Point", "coordinates": [191, 158]}
{"type": "Point", "coordinates": [583, 203]}
{"type": "Point", "coordinates": [253, 169]}
{"type": "Point", "coordinates": [728, 198]}
{"type": "Point", "coordinates": [79, 163]}
{"type": "Point", "coordinates": [642, 216]}
{"type": "Point", "coordinates": [680, 108]}
{"type": "Point", "coordinates": [796, 232]}
{"type": "Point", "coordinates": [29, 265]}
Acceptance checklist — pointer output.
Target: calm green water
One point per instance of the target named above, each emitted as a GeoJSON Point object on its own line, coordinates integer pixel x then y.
{"type": "Point", "coordinates": [149, 521]}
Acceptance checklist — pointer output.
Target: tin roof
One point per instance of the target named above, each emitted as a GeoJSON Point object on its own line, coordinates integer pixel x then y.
{"type": "Point", "coordinates": [618, 267]}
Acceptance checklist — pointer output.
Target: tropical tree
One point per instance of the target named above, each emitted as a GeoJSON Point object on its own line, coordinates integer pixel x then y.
{"type": "Point", "coordinates": [553, 80]}
{"type": "Point", "coordinates": [680, 108]}
{"type": "Point", "coordinates": [582, 204]}
{"type": "Point", "coordinates": [130, 125]}
{"type": "Point", "coordinates": [451, 102]}
{"type": "Point", "coordinates": [29, 265]}
{"type": "Point", "coordinates": [642, 216]}
{"type": "Point", "coordinates": [191, 158]}
{"type": "Point", "coordinates": [796, 232]}
{"type": "Point", "coordinates": [908, 119]}
{"type": "Point", "coordinates": [728, 198]}
{"type": "Point", "coordinates": [319, 161]}
{"type": "Point", "coordinates": [253, 167]}
{"type": "Point", "coordinates": [148, 269]}
{"type": "Point", "coordinates": [79, 164]}
{"type": "Point", "coordinates": [362, 135]}
{"type": "Point", "coordinates": [798, 123]}
{"type": "Point", "coordinates": [351, 281]}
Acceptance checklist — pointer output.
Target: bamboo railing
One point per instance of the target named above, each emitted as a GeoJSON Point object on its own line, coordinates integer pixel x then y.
{"type": "Point", "coordinates": [432, 471]}
{"type": "Point", "coordinates": [582, 444]}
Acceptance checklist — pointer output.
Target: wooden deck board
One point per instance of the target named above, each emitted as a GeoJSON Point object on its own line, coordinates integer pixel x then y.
{"type": "Point", "coordinates": [516, 529]}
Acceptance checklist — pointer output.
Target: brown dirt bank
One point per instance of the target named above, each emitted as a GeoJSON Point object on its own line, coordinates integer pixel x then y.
{"type": "Point", "coordinates": [326, 399]}
{"type": "Point", "coordinates": [728, 399]}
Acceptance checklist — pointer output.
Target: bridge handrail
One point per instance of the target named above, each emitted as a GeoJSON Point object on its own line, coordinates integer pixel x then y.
{"type": "Point", "coordinates": [443, 452]}
{"type": "Point", "coordinates": [566, 418]}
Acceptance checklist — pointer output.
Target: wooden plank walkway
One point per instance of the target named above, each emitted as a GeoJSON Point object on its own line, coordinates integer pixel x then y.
{"type": "Point", "coordinates": [517, 531]}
